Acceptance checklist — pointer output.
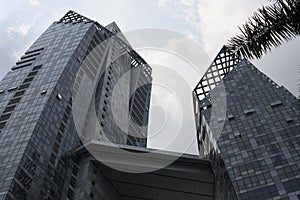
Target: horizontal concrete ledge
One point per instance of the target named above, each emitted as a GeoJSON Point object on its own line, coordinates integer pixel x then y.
{"type": "Point", "coordinates": [139, 160]}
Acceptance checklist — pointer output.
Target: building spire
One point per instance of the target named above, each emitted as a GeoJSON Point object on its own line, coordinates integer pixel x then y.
{"type": "Point", "coordinates": [224, 62]}
{"type": "Point", "coordinates": [72, 16]}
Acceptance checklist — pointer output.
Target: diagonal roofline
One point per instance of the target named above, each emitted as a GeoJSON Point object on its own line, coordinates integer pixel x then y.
{"type": "Point", "coordinates": [224, 62]}
{"type": "Point", "coordinates": [72, 16]}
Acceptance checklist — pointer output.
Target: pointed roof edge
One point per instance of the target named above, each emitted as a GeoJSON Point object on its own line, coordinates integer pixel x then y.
{"type": "Point", "coordinates": [72, 16]}
{"type": "Point", "coordinates": [223, 63]}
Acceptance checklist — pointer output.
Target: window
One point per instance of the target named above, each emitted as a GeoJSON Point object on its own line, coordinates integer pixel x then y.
{"type": "Point", "coordinates": [15, 100]}
{"type": "Point", "coordinates": [20, 93]}
{"type": "Point", "coordinates": [275, 104]}
{"type": "Point", "coordinates": [24, 86]}
{"type": "Point", "coordinates": [91, 195]}
{"type": "Point", "coordinates": [12, 88]}
{"type": "Point", "coordinates": [58, 96]}
{"type": "Point", "coordinates": [5, 116]}
{"type": "Point", "coordinates": [2, 124]}
{"type": "Point", "coordinates": [28, 80]}
{"type": "Point", "coordinates": [237, 134]}
{"type": "Point", "coordinates": [249, 111]}
{"type": "Point", "coordinates": [9, 109]}
{"type": "Point", "coordinates": [220, 120]}
{"type": "Point", "coordinates": [288, 119]}
{"type": "Point", "coordinates": [32, 73]}
{"type": "Point", "coordinates": [43, 92]}
{"type": "Point", "coordinates": [230, 117]}
{"type": "Point", "coordinates": [37, 67]}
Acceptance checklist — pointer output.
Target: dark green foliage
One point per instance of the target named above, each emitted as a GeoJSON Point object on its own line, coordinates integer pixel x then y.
{"type": "Point", "coordinates": [269, 27]}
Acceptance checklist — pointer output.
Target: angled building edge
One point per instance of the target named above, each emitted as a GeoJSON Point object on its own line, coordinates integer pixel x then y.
{"type": "Point", "coordinates": [58, 98]}
{"type": "Point", "coordinates": [249, 126]}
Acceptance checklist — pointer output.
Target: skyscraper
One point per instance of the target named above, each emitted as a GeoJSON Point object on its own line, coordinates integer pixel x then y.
{"type": "Point", "coordinates": [37, 123]}
{"type": "Point", "coordinates": [250, 127]}
{"type": "Point", "coordinates": [81, 87]}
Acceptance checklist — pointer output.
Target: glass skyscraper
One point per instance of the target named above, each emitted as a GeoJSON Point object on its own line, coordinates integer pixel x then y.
{"type": "Point", "coordinates": [250, 127]}
{"type": "Point", "coordinates": [37, 97]}
{"type": "Point", "coordinates": [81, 87]}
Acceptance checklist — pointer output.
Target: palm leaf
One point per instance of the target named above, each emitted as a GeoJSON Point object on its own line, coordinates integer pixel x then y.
{"type": "Point", "coordinates": [269, 27]}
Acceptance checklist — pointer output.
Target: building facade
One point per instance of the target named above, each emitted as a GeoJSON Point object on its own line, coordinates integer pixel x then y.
{"type": "Point", "coordinates": [37, 124]}
{"type": "Point", "coordinates": [81, 85]}
{"type": "Point", "coordinates": [255, 135]}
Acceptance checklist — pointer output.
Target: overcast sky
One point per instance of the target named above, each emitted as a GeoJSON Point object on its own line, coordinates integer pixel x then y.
{"type": "Point", "coordinates": [209, 23]}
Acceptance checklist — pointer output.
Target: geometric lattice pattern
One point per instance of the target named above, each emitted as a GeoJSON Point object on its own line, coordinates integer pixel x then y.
{"type": "Point", "coordinates": [138, 61]}
{"type": "Point", "coordinates": [72, 16]}
{"type": "Point", "coordinates": [224, 62]}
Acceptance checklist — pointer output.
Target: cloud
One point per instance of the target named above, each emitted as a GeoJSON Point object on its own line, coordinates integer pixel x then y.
{"type": "Point", "coordinates": [215, 21]}
{"type": "Point", "coordinates": [163, 2]}
{"type": "Point", "coordinates": [210, 23]}
{"type": "Point", "coordinates": [18, 52]}
{"type": "Point", "coordinates": [34, 3]}
{"type": "Point", "coordinates": [21, 30]}
{"type": "Point", "coordinates": [175, 100]}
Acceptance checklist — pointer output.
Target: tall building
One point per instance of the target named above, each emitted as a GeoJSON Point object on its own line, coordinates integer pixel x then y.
{"type": "Point", "coordinates": [80, 91]}
{"type": "Point", "coordinates": [250, 128]}
{"type": "Point", "coordinates": [37, 123]}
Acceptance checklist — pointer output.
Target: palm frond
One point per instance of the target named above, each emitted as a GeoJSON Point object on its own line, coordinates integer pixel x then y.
{"type": "Point", "coordinates": [269, 27]}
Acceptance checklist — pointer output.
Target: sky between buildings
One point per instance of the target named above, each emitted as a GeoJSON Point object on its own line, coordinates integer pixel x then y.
{"type": "Point", "coordinates": [209, 23]}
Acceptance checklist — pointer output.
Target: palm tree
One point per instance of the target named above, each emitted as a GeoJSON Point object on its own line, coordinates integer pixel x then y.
{"type": "Point", "coordinates": [270, 26]}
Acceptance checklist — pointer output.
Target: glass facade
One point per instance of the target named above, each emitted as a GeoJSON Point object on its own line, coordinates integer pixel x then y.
{"type": "Point", "coordinates": [253, 150]}
{"type": "Point", "coordinates": [258, 140]}
{"type": "Point", "coordinates": [37, 129]}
